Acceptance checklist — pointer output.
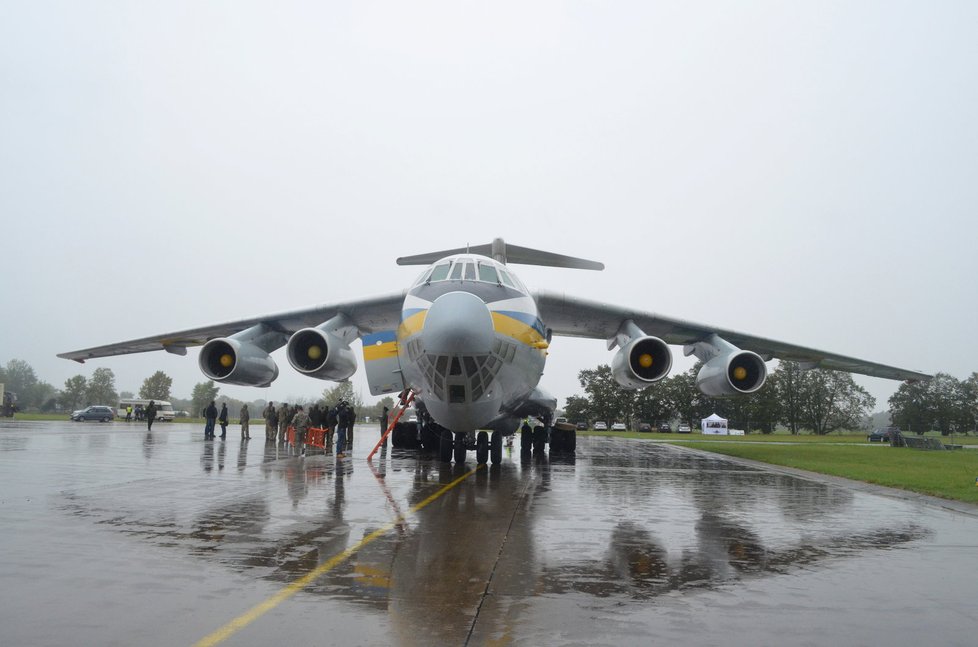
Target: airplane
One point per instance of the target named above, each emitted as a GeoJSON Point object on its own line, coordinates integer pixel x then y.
{"type": "Point", "coordinates": [469, 342]}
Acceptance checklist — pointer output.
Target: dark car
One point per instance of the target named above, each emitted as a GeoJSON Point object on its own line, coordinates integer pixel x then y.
{"type": "Point", "coordinates": [665, 428]}
{"type": "Point", "coordinates": [880, 435]}
{"type": "Point", "coordinates": [645, 427]}
{"type": "Point", "coordinates": [582, 426]}
{"type": "Point", "coordinates": [96, 412]}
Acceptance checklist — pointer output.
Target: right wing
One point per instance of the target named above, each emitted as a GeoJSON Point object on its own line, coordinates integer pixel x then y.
{"type": "Point", "coordinates": [368, 315]}
{"type": "Point", "coordinates": [573, 317]}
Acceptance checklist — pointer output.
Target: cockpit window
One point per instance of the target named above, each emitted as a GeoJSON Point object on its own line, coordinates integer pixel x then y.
{"type": "Point", "coordinates": [469, 272]}
{"type": "Point", "coordinates": [504, 275]}
{"type": "Point", "coordinates": [488, 273]}
{"type": "Point", "coordinates": [457, 271]}
{"type": "Point", "coordinates": [440, 273]}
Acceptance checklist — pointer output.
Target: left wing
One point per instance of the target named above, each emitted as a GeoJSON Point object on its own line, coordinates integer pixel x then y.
{"type": "Point", "coordinates": [367, 315]}
{"type": "Point", "coordinates": [573, 317]}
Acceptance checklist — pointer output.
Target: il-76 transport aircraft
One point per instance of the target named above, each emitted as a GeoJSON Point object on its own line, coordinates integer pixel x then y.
{"type": "Point", "coordinates": [471, 341]}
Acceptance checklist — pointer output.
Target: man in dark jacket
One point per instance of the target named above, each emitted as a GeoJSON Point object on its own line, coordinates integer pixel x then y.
{"type": "Point", "coordinates": [150, 415]}
{"type": "Point", "coordinates": [222, 420]}
{"type": "Point", "coordinates": [210, 418]}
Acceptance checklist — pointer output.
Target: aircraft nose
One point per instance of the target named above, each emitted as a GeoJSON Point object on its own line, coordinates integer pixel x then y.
{"type": "Point", "coordinates": [458, 323]}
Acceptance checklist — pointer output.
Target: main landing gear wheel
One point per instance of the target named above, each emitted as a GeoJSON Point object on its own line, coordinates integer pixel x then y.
{"type": "Point", "coordinates": [459, 448]}
{"type": "Point", "coordinates": [445, 446]}
{"type": "Point", "coordinates": [539, 439]}
{"type": "Point", "coordinates": [556, 441]}
{"type": "Point", "coordinates": [482, 448]}
{"type": "Point", "coordinates": [496, 448]}
{"type": "Point", "coordinates": [526, 441]}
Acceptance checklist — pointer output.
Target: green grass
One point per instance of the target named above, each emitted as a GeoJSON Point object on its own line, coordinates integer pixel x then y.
{"type": "Point", "coordinates": [945, 474]}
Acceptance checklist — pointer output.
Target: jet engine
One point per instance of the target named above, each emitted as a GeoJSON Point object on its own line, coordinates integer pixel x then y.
{"type": "Point", "coordinates": [640, 362]}
{"type": "Point", "coordinates": [233, 361]}
{"type": "Point", "coordinates": [319, 353]}
{"type": "Point", "coordinates": [732, 373]}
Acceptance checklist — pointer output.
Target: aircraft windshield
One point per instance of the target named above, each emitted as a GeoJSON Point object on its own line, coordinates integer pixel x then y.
{"type": "Point", "coordinates": [469, 269]}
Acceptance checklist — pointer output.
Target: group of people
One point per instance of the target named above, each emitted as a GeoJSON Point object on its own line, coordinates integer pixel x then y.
{"type": "Point", "coordinates": [138, 412]}
{"type": "Point", "coordinates": [336, 420]}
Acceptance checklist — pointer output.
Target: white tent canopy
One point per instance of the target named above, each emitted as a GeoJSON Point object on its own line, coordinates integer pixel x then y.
{"type": "Point", "coordinates": [714, 425]}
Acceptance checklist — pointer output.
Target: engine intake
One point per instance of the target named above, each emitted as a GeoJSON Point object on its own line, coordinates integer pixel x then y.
{"type": "Point", "coordinates": [231, 361]}
{"type": "Point", "coordinates": [317, 353]}
{"type": "Point", "coordinates": [732, 373]}
{"type": "Point", "coordinates": [641, 362]}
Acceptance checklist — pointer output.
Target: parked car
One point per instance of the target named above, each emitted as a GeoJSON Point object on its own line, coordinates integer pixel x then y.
{"type": "Point", "coordinates": [684, 429]}
{"type": "Point", "coordinates": [880, 435]}
{"type": "Point", "coordinates": [582, 426]}
{"type": "Point", "coordinates": [665, 428]}
{"type": "Point", "coordinates": [645, 427]}
{"type": "Point", "coordinates": [600, 426]}
{"type": "Point", "coordinates": [618, 426]}
{"type": "Point", "coordinates": [95, 412]}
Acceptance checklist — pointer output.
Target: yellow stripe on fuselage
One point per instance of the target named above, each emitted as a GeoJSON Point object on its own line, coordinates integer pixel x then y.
{"type": "Point", "coordinates": [506, 325]}
{"type": "Point", "coordinates": [501, 323]}
{"type": "Point", "coordinates": [412, 325]}
{"type": "Point", "coordinates": [380, 351]}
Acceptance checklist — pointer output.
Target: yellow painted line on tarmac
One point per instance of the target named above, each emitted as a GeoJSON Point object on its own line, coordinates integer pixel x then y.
{"type": "Point", "coordinates": [245, 619]}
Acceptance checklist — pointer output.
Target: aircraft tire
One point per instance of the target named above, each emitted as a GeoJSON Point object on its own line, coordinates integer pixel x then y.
{"type": "Point", "coordinates": [482, 448]}
{"type": "Point", "coordinates": [496, 448]}
{"type": "Point", "coordinates": [445, 446]}
{"type": "Point", "coordinates": [556, 441]}
{"type": "Point", "coordinates": [539, 439]}
{"type": "Point", "coordinates": [526, 441]}
{"type": "Point", "coordinates": [570, 445]}
{"type": "Point", "coordinates": [459, 448]}
{"type": "Point", "coordinates": [430, 440]}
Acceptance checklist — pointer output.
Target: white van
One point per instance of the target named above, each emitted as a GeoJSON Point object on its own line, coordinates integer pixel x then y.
{"type": "Point", "coordinates": [164, 410]}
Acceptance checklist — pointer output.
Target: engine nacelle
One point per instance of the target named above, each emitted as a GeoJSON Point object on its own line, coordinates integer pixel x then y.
{"type": "Point", "coordinates": [316, 353]}
{"type": "Point", "coordinates": [641, 362]}
{"type": "Point", "coordinates": [232, 361]}
{"type": "Point", "coordinates": [731, 374]}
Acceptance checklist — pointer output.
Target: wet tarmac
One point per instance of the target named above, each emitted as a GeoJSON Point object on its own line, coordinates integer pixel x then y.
{"type": "Point", "coordinates": [112, 536]}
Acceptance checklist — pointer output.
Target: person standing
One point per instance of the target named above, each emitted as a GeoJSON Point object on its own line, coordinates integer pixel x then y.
{"type": "Point", "coordinates": [129, 413]}
{"type": "Point", "coordinates": [271, 422]}
{"type": "Point", "coordinates": [337, 413]}
{"type": "Point", "coordinates": [150, 415]}
{"type": "Point", "coordinates": [244, 419]}
{"type": "Point", "coordinates": [283, 422]}
{"type": "Point", "coordinates": [383, 425]}
{"type": "Point", "coordinates": [300, 422]}
{"type": "Point", "coordinates": [350, 416]}
{"type": "Point", "coordinates": [222, 419]}
{"type": "Point", "coordinates": [210, 417]}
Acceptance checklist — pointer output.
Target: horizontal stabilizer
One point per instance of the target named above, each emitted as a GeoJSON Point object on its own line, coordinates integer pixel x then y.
{"type": "Point", "coordinates": [504, 253]}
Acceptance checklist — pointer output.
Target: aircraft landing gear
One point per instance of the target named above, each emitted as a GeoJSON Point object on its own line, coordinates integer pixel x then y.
{"type": "Point", "coordinates": [445, 446]}
{"type": "Point", "coordinates": [459, 448]}
{"type": "Point", "coordinates": [496, 448]}
{"type": "Point", "coordinates": [539, 439]}
{"type": "Point", "coordinates": [482, 448]}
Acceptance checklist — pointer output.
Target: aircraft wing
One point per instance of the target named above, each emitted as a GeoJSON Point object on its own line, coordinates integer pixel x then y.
{"type": "Point", "coordinates": [573, 317]}
{"type": "Point", "coordinates": [369, 315]}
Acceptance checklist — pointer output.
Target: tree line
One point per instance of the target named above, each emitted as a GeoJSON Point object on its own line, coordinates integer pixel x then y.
{"type": "Point", "coordinates": [79, 391]}
{"type": "Point", "coordinates": [817, 401]}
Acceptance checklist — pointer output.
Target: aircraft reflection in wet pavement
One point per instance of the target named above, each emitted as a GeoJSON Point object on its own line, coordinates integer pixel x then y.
{"type": "Point", "coordinates": [471, 341]}
{"type": "Point", "coordinates": [640, 557]}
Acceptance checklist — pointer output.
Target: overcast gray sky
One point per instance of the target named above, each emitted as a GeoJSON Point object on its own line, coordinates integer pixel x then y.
{"type": "Point", "coordinates": [801, 171]}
